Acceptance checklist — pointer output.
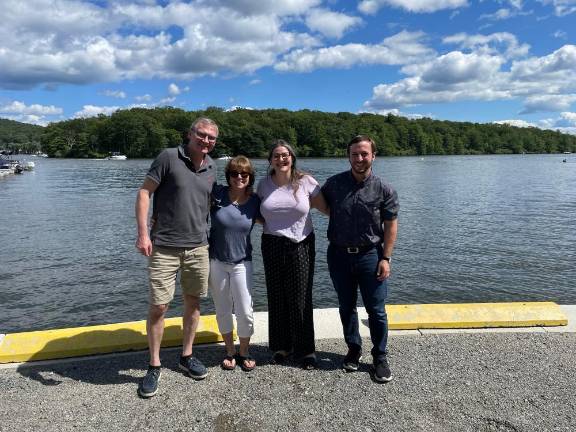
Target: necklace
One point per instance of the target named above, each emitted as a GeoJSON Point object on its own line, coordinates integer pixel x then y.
{"type": "Point", "coordinates": [238, 201]}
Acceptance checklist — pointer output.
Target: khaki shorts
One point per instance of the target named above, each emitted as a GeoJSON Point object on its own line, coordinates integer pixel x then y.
{"type": "Point", "coordinates": [164, 265]}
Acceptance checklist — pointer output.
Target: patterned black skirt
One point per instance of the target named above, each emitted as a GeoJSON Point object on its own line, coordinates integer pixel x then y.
{"type": "Point", "coordinates": [289, 270]}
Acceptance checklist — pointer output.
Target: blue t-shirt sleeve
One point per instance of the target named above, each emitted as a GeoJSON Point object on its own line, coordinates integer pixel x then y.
{"type": "Point", "coordinates": [217, 196]}
{"type": "Point", "coordinates": [256, 200]}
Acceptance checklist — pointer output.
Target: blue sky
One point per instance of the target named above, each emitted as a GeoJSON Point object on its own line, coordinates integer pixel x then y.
{"type": "Point", "coordinates": [482, 61]}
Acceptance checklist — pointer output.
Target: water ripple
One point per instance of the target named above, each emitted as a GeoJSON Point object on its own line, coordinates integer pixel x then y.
{"type": "Point", "coordinates": [472, 229]}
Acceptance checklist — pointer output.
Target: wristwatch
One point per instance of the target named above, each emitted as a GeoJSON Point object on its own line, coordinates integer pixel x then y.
{"type": "Point", "coordinates": [389, 259]}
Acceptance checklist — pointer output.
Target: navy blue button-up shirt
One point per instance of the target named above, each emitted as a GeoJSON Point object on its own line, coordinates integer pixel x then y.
{"type": "Point", "coordinates": [358, 209]}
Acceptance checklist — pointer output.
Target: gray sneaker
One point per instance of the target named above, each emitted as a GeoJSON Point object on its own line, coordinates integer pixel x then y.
{"type": "Point", "coordinates": [149, 384]}
{"type": "Point", "coordinates": [193, 367]}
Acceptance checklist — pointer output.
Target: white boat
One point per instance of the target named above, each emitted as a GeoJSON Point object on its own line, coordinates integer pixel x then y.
{"type": "Point", "coordinates": [10, 166]}
{"type": "Point", "coordinates": [225, 157]}
{"type": "Point", "coordinates": [117, 156]}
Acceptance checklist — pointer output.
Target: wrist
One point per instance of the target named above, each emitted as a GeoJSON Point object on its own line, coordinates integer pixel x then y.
{"type": "Point", "coordinates": [387, 258]}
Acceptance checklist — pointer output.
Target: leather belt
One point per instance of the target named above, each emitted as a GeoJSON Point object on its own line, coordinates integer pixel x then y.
{"type": "Point", "coordinates": [356, 249]}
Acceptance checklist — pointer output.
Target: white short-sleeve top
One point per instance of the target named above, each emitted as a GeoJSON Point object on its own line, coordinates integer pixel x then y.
{"type": "Point", "coordinates": [285, 213]}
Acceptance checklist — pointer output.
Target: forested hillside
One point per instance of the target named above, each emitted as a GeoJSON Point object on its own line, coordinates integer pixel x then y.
{"type": "Point", "coordinates": [19, 137]}
{"type": "Point", "coordinates": [144, 133]}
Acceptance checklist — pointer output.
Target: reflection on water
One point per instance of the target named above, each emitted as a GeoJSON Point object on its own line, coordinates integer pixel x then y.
{"type": "Point", "coordinates": [472, 229]}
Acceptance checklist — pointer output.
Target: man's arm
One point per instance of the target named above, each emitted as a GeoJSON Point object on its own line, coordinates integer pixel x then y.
{"type": "Point", "coordinates": [390, 233]}
{"type": "Point", "coordinates": [319, 203]}
{"type": "Point", "coordinates": [143, 243]}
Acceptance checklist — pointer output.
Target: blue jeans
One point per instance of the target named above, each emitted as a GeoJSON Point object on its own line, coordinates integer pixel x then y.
{"type": "Point", "coordinates": [348, 272]}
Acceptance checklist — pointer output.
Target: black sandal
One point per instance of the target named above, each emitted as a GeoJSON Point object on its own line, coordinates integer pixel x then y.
{"type": "Point", "coordinates": [308, 363]}
{"type": "Point", "coordinates": [242, 360]}
{"type": "Point", "coordinates": [279, 357]}
{"type": "Point", "coordinates": [230, 358]}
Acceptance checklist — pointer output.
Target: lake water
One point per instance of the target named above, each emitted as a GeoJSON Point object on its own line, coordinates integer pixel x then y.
{"type": "Point", "coordinates": [472, 229]}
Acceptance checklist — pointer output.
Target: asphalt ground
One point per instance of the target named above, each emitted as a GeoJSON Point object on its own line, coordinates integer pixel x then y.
{"type": "Point", "coordinates": [523, 381]}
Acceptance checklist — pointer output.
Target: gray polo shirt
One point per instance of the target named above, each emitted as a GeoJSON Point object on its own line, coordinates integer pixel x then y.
{"type": "Point", "coordinates": [358, 209]}
{"type": "Point", "coordinates": [182, 200]}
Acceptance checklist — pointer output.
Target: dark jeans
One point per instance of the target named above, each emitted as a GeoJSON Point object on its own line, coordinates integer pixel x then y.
{"type": "Point", "coordinates": [348, 273]}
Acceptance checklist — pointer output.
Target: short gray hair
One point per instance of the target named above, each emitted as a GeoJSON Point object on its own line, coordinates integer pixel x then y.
{"type": "Point", "coordinates": [204, 121]}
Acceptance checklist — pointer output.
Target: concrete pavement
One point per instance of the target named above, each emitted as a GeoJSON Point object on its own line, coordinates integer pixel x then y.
{"type": "Point", "coordinates": [444, 380]}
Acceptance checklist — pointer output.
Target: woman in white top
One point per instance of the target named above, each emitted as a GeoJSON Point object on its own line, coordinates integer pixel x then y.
{"type": "Point", "coordinates": [288, 252]}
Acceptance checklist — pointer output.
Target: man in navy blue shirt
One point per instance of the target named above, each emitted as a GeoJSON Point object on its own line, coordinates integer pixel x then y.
{"type": "Point", "coordinates": [362, 232]}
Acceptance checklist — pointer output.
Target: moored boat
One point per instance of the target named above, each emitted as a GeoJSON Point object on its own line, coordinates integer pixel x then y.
{"type": "Point", "coordinates": [117, 156]}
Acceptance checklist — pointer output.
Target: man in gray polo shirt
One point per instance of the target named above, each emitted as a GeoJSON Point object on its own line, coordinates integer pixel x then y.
{"type": "Point", "coordinates": [362, 232]}
{"type": "Point", "coordinates": [180, 181]}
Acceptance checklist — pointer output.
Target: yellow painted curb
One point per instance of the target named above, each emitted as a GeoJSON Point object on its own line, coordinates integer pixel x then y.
{"type": "Point", "coordinates": [101, 339]}
{"type": "Point", "coordinates": [475, 315]}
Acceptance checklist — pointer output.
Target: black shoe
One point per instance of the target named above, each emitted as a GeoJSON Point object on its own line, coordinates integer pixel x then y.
{"type": "Point", "coordinates": [280, 357]}
{"type": "Point", "coordinates": [149, 384]}
{"type": "Point", "coordinates": [382, 370]}
{"type": "Point", "coordinates": [309, 362]}
{"type": "Point", "coordinates": [194, 367]}
{"type": "Point", "coordinates": [352, 360]}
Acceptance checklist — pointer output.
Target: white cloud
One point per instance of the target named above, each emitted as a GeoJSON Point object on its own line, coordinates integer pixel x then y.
{"type": "Point", "coordinates": [53, 42]}
{"type": "Point", "coordinates": [93, 111]}
{"type": "Point", "coordinates": [500, 14]}
{"type": "Point", "coordinates": [237, 107]}
{"type": "Point", "coordinates": [280, 7]}
{"type": "Point", "coordinates": [114, 93]}
{"type": "Point", "coordinates": [559, 34]}
{"type": "Point", "coordinates": [565, 123]}
{"type": "Point", "coordinates": [550, 74]}
{"type": "Point", "coordinates": [545, 83]}
{"type": "Point", "coordinates": [517, 123]}
{"type": "Point", "coordinates": [570, 117]}
{"type": "Point", "coordinates": [173, 90]}
{"type": "Point", "coordinates": [17, 107]}
{"type": "Point", "coordinates": [28, 118]}
{"type": "Point", "coordinates": [143, 98]}
{"type": "Point", "coordinates": [419, 6]}
{"type": "Point", "coordinates": [543, 103]}
{"type": "Point", "coordinates": [450, 77]}
{"type": "Point", "coordinates": [402, 48]}
{"type": "Point", "coordinates": [503, 42]}
{"type": "Point", "coordinates": [399, 113]}
{"type": "Point", "coordinates": [34, 114]}
{"type": "Point", "coordinates": [255, 82]}
{"type": "Point", "coordinates": [167, 101]}
{"type": "Point", "coordinates": [562, 7]}
{"type": "Point", "coordinates": [330, 24]}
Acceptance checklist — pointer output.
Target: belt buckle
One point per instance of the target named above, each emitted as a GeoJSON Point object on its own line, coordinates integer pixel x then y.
{"type": "Point", "coordinates": [352, 250]}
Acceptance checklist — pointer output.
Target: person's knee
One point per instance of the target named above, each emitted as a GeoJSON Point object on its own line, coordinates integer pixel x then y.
{"type": "Point", "coordinates": [191, 303]}
{"type": "Point", "coordinates": [376, 313]}
{"type": "Point", "coordinates": [157, 311]}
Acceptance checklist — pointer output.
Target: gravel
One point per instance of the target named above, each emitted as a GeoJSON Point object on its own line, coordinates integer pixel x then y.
{"type": "Point", "coordinates": [448, 382]}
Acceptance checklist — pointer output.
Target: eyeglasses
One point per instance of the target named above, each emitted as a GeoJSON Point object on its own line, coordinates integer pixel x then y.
{"type": "Point", "coordinates": [242, 174]}
{"type": "Point", "coordinates": [204, 136]}
{"type": "Point", "coordinates": [279, 156]}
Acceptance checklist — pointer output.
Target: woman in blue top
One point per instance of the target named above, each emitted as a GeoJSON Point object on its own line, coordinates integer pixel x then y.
{"type": "Point", "coordinates": [233, 213]}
